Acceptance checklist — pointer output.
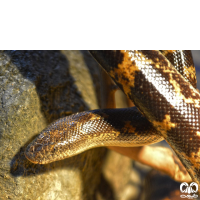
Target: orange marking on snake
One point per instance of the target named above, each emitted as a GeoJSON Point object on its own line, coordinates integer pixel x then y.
{"type": "Point", "coordinates": [164, 125]}
{"type": "Point", "coordinates": [125, 69]}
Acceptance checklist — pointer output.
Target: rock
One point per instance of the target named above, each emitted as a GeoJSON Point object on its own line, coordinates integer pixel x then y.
{"type": "Point", "coordinates": [36, 88]}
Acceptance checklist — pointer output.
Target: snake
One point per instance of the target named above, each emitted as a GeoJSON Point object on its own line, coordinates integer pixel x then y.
{"type": "Point", "coordinates": [162, 85]}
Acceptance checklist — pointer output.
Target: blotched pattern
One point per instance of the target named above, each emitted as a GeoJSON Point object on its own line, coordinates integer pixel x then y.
{"type": "Point", "coordinates": [164, 94]}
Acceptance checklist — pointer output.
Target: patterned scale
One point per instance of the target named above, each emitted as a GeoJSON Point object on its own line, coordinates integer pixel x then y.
{"type": "Point", "coordinates": [169, 103]}
{"type": "Point", "coordinates": [74, 134]}
{"type": "Point", "coordinates": [163, 95]}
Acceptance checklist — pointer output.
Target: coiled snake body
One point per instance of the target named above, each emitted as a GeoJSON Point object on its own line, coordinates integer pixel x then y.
{"type": "Point", "coordinates": [162, 86]}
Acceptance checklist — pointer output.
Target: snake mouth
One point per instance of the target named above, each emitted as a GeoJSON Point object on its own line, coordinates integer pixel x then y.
{"type": "Point", "coordinates": [34, 154]}
{"type": "Point", "coordinates": [30, 158]}
{"type": "Point", "coordinates": [42, 154]}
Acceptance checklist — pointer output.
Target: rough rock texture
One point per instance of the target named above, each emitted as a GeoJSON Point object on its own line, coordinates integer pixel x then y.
{"type": "Point", "coordinates": [36, 88]}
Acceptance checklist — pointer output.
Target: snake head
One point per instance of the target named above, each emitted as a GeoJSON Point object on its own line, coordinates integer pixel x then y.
{"type": "Point", "coordinates": [74, 134]}
{"type": "Point", "coordinates": [64, 138]}
{"type": "Point", "coordinates": [59, 140]}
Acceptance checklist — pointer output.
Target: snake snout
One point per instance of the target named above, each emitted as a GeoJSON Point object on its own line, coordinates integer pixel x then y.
{"type": "Point", "coordinates": [32, 152]}
{"type": "Point", "coordinates": [40, 153]}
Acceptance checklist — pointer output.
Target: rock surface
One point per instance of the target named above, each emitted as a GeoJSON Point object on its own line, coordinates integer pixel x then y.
{"type": "Point", "coordinates": [37, 87]}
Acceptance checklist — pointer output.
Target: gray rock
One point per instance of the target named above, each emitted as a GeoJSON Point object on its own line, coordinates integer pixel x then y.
{"type": "Point", "coordinates": [36, 88]}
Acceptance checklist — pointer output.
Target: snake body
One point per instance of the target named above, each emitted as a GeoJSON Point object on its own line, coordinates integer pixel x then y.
{"type": "Point", "coordinates": [161, 85]}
